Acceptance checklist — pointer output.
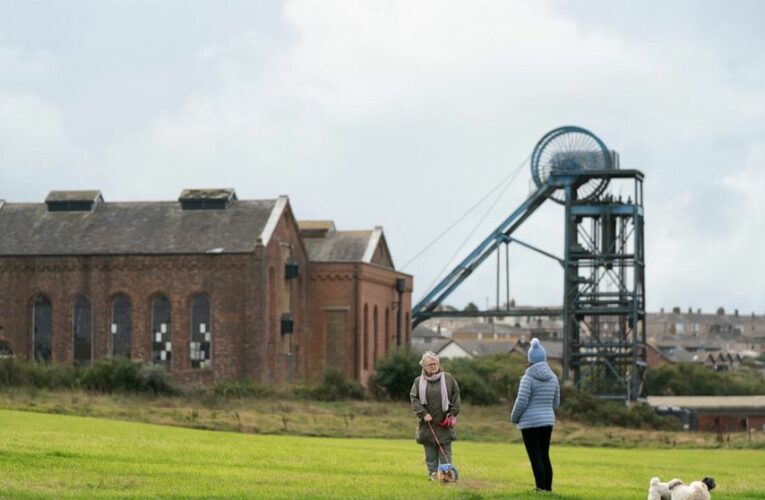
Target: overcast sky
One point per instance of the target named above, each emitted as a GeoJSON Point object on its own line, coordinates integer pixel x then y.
{"type": "Point", "coordinates": [404, 114]}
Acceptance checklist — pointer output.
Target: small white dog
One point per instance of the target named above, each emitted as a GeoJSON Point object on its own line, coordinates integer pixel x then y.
{"type": "Point", "coordinates": [658, 490]}
{"type": "Point", "coordinates": [697, 490]}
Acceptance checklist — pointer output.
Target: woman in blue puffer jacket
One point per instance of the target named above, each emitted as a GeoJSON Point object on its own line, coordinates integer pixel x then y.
{"type": "Point", "coordinates": [534, 413]}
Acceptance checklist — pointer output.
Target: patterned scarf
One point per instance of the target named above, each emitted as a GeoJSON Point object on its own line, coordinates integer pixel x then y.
{"type": "Point", "coordinates": [424, 379]}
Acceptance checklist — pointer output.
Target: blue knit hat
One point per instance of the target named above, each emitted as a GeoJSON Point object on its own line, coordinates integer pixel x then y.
{"type": "Point", "coordinates": [536, 352]}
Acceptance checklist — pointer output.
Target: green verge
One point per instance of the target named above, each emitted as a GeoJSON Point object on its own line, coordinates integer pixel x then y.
{"type": "Point", "coordinates": [44, 455]}
{"type": "Point", "coordinates": [359, 419]}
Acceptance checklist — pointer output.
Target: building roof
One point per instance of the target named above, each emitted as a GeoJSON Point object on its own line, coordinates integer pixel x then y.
{"type": "Point", "coordinates": [553, 349]}
{"type": "Point", "coordinates": [133, 228]}
{"type": "Point", "coordinates": [487, 347]}
{"type": "Point", "coordinates": [709, 402]}
{"type": "Point", "coordinates": [316, 228]}
{"type": "Point", "coordinates": [421, 331]}
{"type": "Point", "coordinates": [488, 328]}
{"type": "Point", "coordinates": [339, 246]}
{"type": "Point", "coordinates": [346, 246]}
{"type": "Point", "coordinates": [434, 346]}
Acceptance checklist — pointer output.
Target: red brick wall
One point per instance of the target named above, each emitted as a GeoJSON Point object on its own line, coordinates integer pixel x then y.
{"type": "Point", "coordinates": [723, 422]}
{"type": "Point", "coordinates": [245, 342]}
{"type": "Point", "coordinates": [338, 287]}
{"type": "Point", "coordinates": [248, 294]}
{"type": "Point", "coordinates": [285, 355]}
{"type": "Point", "coordinates": [224, 278]}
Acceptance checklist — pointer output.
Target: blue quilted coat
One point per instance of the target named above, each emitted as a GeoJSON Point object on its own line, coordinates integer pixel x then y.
{"type": "Point", "coordinates": [538, 398]}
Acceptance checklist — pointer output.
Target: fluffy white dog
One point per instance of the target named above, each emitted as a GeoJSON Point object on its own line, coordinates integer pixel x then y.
{"type": "Point", "coordinates": [658, 490]}
{"type": "Point", "coordinates": [697, 490]}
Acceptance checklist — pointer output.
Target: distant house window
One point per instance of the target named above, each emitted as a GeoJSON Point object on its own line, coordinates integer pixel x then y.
{"type": "Point", "coordinates": [160, 331]}
{"type": "Point", "coordinates": [42, 329]}
{"type": "Point", "coordinates": [82, 325]}
{"type": "Point", "coordinates": [201, 333]}
{"type": "Point", "coordinates": [121, 326]}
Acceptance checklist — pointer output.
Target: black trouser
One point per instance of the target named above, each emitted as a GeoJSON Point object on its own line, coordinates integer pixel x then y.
{"type": "Point", "coordinates": [537, 441]}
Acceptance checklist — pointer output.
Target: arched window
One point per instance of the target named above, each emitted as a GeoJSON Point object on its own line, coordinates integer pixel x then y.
{"type": "Point", "coordinates": [201, 332]}
{"type": "Point", "coordinates": [42, 329]}
{"type": "Point", "coordinates": [387, 331]}
{"type": "Point", "coordinates": [122, 326]}
{"type": "Point", "coordinates": [376, 336]}
{"type": "Point", "coordinates": [365, 343]}
{"type": "Point", "coordinates": [160, 331]}
{"type": "Point", "coordinates": [82, 325]}
{"type": "Point", "coordinates": [6, 351]}
{"type": "Point", "coordinates": [407, 330]}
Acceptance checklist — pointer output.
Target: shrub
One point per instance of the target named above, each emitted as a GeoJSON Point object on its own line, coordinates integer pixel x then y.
{"type": "Point", "coordinates": [19, 373]}
{"type": "Point", "coordinates": [13, 372]}
{"type": "Point", "coordinates": [123, 375]}
{"type": "Point", "coordinates": [684, 379]}
{"type": "Point", "coordinates": [243, 389]}
{"type": "Point", "coordinates": [333, 388]}
{"type": "Point", "coordinates": [586, 408]}
{"type": "Point", "coordinates": [394, 375]}
{"type": "Point", "coordinates": [489, 379]}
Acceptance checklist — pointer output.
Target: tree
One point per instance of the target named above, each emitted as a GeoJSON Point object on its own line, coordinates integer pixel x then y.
{"type": "Point", "coordinates": [471, 307]}
{"type": "Point", "coordinates": [394, 375]}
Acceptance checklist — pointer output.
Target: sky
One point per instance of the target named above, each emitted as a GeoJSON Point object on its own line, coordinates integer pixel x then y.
{"type": "Point", "coordinates": [405, 114]}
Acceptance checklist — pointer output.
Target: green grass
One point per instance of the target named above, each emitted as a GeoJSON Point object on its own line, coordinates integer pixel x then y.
{"type": "Point", "coordinates": [360, 419]}
{"type": "Point", "coordinates": [43, 455]}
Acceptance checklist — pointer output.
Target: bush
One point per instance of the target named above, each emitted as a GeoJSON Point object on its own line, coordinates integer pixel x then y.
{"type": "Point", "coordinates": [243, 389]}
{"type": "Point", "coordinates": [691, 379]}
{"type": "Point", "coordinates": [394, 375]}
{"type": "Point", "coordinates": [19, 373]}
{"type": "Point", "coordinates": [489, 379]}
{"type": "Point", "coordinates": [587, 409]}
{"type": "Point", "coordinates": [334, 387]}
{"type": "Point", "coordinates": [123, 375]}
{"type": "Point", "coordinates": [13, 372]}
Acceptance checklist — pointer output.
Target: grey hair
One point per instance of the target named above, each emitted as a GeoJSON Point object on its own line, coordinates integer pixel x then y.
{"type": "Point", "coordinates": [431, 355]}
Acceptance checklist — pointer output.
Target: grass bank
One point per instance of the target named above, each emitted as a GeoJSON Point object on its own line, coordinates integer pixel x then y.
{"type": "Point", "coordinates": [350, 419]}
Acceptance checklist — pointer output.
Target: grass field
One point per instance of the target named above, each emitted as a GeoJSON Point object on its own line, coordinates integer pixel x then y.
{"type": "Point", "coordinates": [360, 419]}
{"type": "Point", "coordinates": [44, 455]}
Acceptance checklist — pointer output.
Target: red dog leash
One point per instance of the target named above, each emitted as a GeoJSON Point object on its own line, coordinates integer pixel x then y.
{"type": "Point", "coordinates": [441, 449]}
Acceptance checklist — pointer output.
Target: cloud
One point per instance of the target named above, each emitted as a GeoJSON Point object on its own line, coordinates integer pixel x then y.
{"type": "Point", "coordinates": [404, 114]}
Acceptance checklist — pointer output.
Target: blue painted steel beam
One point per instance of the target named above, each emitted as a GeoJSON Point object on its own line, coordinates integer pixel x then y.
{"type": "Point", "coordinates": [446, 286]}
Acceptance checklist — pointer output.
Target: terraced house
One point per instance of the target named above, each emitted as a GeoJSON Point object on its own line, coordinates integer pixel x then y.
{"type": "Point", "coordinates": [209, 286]}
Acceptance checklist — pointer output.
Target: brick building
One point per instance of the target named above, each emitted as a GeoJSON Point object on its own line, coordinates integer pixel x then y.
{"type": "Point", "coordinates": [359, 304]}
{"type": "Point", "coordinates": [209, 286]}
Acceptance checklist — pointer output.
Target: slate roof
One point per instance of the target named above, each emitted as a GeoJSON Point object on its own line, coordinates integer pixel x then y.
{"type": "Point", "coordinates": [553, 349]}
{"type": "Point", "coordinates": [339, 246]}
{"type": "Point", "coordinates": [132, 228]}
{"type": "Point", "coordinates": [709, 402]}
{"type": "Point", "coordinates": [487, 347]}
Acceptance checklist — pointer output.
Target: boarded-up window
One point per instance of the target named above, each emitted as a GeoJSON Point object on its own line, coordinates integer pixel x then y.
{"type": "Point", "coordinates": [201, 333]}
{"type": "Point", "coordinates": [82, 325]}
{"type": "Point", "coordinates": [42, 329]}
{"type": "Point", "coordinates": [161, 350]}
{"type": "Point", "coordinates": [121, 326]}
{"type": "Point", "coordinates": [336, 341]}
